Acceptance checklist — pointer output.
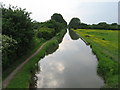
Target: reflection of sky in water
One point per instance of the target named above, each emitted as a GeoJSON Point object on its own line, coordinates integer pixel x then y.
{"type": "Point", "coordinates": [72, 65]}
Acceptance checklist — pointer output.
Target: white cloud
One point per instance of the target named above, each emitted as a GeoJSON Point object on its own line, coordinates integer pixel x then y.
{"type": "Point", "coordinates": [43, 9]}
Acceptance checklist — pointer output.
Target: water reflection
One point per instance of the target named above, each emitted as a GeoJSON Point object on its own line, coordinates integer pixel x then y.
{"type": "Point", "coordinates": [51, 78]}
{"type": "Point", "coordinates": [34, 78]}
{"type": "Point", "coordinates": [72, 66]}
{"type": "Point", "coordinates": [73, 35]}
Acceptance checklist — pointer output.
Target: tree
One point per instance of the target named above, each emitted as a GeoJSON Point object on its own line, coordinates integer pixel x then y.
{"type": "Point", "coordinates": [54, 25]}
{"type": "Point", "coordinates": [114, 26]}
{"type": "Point", "coordinates": [59, 18]}
{"type": "Point", "coordinates": [84, 26]}
{"type": "Point", "coordinates": [74, 23]}
{"type": "Point", "coordinates": [17, 30]}
{"type": "Point", "coordinates": [103, 25]}
{"type": "Point", "coordinates": [46, 33]}
{"type": "Point", "coordinates": [16, 23]}
{"type": "Point", "coordinates": [9, 47]}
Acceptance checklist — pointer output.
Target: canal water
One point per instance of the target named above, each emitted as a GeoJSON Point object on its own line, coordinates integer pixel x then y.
{"type": "Point", "coordinates": [72, 65]}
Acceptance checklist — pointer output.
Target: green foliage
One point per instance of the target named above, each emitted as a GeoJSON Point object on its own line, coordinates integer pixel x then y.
{"type": "Point", "coordinates": [74, 23]}
{"type": "Point", "coordinates": [9, 47]}
{"type": "Point", "coordinates": [50, 28]}
{"type": "Point", "coordinates": [54, 25]}
{"type": "Point", "coordinates": [46, 33]}
{"type": "Point", "coordinates": [36, 25]}
{"type": "Point", "coordinates": [16, 23]}
{"type": "Point", "coordinates": [59, 18]}
{"type": "Point", "coordinates": [16, 27]}
{"type": "Point", "coordinates": [83, 26]}
{"type": "Point", "coordinates": [36, 43]}
{"type": "Point", "coordinates": [101, 25]}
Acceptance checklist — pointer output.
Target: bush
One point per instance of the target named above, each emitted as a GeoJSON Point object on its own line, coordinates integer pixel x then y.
{"type": "Point", "coordinates": [46, 33]}
{"type": "Point", "coordinates": [9, 47]}
{"type": "Point", "coordinates": [16, 27]}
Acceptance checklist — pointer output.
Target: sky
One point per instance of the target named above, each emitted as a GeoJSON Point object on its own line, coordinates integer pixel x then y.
{"type": "Point", "coordinates": [88, 11]}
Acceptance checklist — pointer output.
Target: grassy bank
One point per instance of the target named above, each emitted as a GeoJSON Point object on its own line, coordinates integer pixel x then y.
{"type": "Point", "coordinates": [22, 78]}
{"type": "Point", "coordinates": [104, 44]}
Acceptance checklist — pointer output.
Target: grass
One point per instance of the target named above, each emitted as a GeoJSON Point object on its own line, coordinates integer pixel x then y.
{"type": "Point", "coordinates": [104, 44]}
{"type": "Point", "coordinates": [23, 78]}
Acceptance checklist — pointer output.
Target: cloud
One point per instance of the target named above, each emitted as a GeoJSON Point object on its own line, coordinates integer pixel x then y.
{"type": "Point", "coordinates": [42, 10]}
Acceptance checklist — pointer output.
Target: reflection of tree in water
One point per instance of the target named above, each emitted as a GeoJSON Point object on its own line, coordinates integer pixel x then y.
{"type": "Point", "coordinates": [73, 35]}
{"type": "Point", "coordinates": [34, 78]}
{"type": "Point", "coordinates": [37, 68]}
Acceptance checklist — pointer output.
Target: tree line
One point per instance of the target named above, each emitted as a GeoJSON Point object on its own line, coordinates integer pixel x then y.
{"type": "Point", "coordinates": [77, 24]}
{"type": "Point", "coordinates": [18, 31]}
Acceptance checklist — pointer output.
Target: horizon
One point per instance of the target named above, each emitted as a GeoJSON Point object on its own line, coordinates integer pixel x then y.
{"type": "Point", "coordinates": [89, 12]}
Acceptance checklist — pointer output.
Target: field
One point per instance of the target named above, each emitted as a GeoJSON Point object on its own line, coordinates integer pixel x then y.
{"type": "Point", "coordinates": [104, 44]}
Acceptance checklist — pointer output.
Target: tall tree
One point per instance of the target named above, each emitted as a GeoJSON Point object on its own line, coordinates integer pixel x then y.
{"type": "Point", "coordinates": [59, 18]}
{"type": "Point", "coordinates": [74, 23]}
{"type": "Point", "coordinates": [16, 23]}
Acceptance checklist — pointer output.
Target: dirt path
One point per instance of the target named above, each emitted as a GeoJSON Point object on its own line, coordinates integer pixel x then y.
{"type": "Point", "coordinates": [10, 77]}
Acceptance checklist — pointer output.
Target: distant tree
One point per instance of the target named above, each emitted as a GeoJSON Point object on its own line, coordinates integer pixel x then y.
{"type": "Point", "coordinates": [114, 26]}
{"type": "Point", "coordinates": [102, 25]}
{"type": "Point", "coordinates": [74, 23]}
{"type": "Point", "coordinates": [36, 24]}
{"type": "Point", "coordinates": [50, 28]}
{"type": "Point", "coordinates": [55, 25]}
{"type": "Point", "coordinates": [46, 33]}
{"type": "Point", "coordinates": [118, 27]}
{"type": "Point", "coordinates": [59, 18]}
{"type": "Point", "coordinates": [84, 26]}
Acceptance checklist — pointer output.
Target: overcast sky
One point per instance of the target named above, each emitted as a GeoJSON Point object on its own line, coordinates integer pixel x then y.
{"type": "Point", "coordinates": [89, 11]}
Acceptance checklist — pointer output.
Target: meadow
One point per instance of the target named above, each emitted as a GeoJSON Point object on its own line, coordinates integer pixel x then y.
{"type": "Point", "coordinates": [104, 44]}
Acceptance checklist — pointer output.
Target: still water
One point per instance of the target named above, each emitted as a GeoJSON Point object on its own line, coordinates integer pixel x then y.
{"type": "Point", "coordinates": [72, 65]}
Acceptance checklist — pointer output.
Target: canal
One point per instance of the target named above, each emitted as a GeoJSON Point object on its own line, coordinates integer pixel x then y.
{"type": "Point", "coordinates": [72, 65]}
